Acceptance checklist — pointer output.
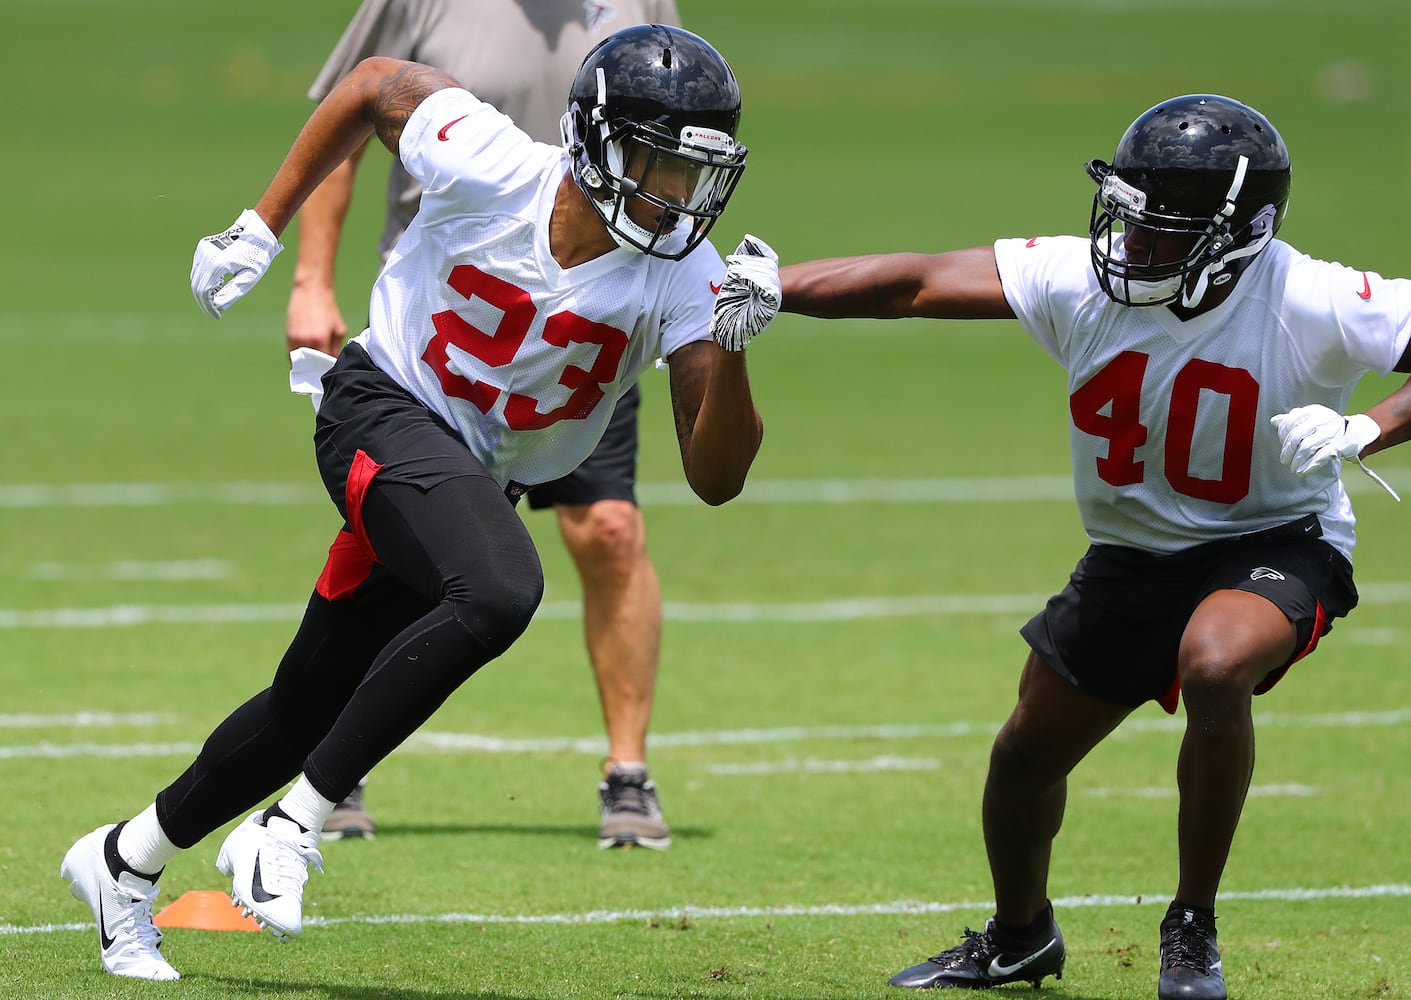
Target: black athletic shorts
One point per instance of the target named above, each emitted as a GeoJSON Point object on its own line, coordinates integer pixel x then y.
{"type": "Point", "coordinates": [609, 473]}
{"type": "Point", "coordinates": [365, 411]}
{"type": "Point", "coordinates": [1115, 630]}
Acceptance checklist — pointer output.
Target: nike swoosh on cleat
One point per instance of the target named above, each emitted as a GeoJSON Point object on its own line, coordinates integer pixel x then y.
{"type": "Point", "coordinates": [257, 888]}
{"type": "Point", "coordinates": [106, 941]}
{"type": "Point", "coordinates": [997, 970]}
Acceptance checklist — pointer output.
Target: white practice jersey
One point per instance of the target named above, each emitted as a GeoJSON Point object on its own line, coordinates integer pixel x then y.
{"type": "Point", "coordinates": [1169, 420]}
{"type": "Point", "coordinates": [472, 315]}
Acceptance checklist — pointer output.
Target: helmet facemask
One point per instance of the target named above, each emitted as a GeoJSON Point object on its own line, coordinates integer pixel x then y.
{"type": "Point", "coordinates": [1216, 248]}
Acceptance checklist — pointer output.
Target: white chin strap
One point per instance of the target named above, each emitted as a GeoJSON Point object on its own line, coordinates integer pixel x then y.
{"type": "Point", "coordinates": [1192, 298]}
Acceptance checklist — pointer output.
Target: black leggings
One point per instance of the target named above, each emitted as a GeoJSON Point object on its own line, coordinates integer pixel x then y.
{"type": "Point", "coordinates": [457, 584]}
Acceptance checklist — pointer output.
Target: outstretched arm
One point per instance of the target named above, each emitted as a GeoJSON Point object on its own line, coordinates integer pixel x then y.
{"type": "Point", "coordinates": [717, 426]}
{"type": "Point", "coordinates": [378, 95]}
{"type": "Point", "coordinates": [957, 284]}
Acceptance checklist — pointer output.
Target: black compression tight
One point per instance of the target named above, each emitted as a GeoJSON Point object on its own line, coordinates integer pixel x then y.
{"type": "Point", "coordinates": [458, 582]}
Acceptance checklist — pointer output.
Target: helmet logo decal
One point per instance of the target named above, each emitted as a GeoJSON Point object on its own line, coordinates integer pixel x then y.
{"type": "Point", "coordinates": [1122, 194]}
{"type": "Point", "coordinates": [709, 139]}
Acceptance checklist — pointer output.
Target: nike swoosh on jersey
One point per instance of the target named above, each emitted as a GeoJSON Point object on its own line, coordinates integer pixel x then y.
{"type": "Point", "coordinates": [998, 969]}
{"type": "Point", "coordinates": [257, 887]}
{"type": "Point", "coordinates": [715, 289]}
{"type": "Point", "coordinates": [1366, 292]}
{"type": "Point", "coordinates": [103, 937]}
{"type": "Point", "coordinates": [447, 127]}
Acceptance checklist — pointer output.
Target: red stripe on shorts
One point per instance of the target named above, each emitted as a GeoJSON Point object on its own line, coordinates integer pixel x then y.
{"type": "Point", "coordinates": [351, 556]}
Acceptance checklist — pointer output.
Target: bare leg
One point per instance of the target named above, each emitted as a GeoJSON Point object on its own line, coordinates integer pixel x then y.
{"type": "Point", "coordinates": [1051, 729]}
{"type": "Point", "coordinates": [621, 615]}
{"type": "Point", "coordinates": [1233, 640]}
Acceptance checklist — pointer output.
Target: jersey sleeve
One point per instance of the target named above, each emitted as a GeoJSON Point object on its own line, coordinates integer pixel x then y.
{"type": "Point", "coordinates": [692, 285]}
{"type": "Point", "coordinates": [456, 143]}
{"type": "Point", "coordinates": [1043, 286]}
{"type": "Point", "coordinates": [379, 28]}
{"type": "Point", "coordinates": [1347, 322]}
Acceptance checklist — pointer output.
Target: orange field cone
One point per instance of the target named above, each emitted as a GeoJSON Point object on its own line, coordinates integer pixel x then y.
{"type": "Point", "coordinates": [204, 910]}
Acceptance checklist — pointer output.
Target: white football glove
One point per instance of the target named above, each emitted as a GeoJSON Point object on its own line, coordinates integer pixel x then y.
{"type": "Point", "coordinates": [1312, 436]}
{"type": "Point", "coordinates": [749, 296]}
{"type": "Point", "coordinates": [227, 265]}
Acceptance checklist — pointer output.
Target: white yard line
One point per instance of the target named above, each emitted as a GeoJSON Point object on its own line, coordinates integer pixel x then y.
{"type": "Point", "coordinates": [904, 907]}
{"type": "Point", "coordinates": [441, 742]}
{"type": "Point", "coordinates": [83, 720]}
{"type": "Point", "coordinates": [875, 490]}
{"type": "Point", "coordinates": [166, 571]}
{"type": "Point", "coordinates": [835, 610]}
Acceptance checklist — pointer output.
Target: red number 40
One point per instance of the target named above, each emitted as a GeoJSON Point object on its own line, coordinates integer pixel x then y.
{"type": "Point", "coordinates": [499, 347]}
{"type": "Point", "coordinates": [1119, 384]}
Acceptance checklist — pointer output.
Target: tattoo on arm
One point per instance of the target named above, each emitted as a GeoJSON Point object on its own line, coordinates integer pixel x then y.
{"type": "Point", "coordinates": [690, 374]}
{"type": "Point", "coordinates": [398, 96]}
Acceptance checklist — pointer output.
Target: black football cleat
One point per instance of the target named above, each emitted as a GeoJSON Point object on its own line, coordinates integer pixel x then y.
{"type": "Point", "coordinates": [1190, 958]}
{"type": "Point", "coordinates": [987, 959]}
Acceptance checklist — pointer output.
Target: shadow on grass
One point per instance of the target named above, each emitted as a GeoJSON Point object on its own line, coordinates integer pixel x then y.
{"type": "Point", "coordinates": [244, 986]}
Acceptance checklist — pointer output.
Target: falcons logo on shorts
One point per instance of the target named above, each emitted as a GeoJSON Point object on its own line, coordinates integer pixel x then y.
{"type": "Point", "coordinates": [1265, 573]}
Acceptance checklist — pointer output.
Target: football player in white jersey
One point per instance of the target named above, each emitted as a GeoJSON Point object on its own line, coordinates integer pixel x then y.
{"type": "Point", "coordinates": [521, 56]}
{"type": "Point", "coordinates": [1209, 366]}
{"type": "Point", "coordinates": [529, 292]}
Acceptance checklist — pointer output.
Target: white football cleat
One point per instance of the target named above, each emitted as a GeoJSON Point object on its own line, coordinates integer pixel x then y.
{"type": "Point", "coordinates": [268, 865]}
{"type": "Point", "coordinates": [122, 907]}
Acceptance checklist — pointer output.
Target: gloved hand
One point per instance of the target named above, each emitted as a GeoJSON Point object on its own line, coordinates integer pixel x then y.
{"type": "Point", "coordinates": [749, 296]}
{"type": "Point", "coordinates": [1312, 436]}
{"type": "Point", "coordinates": [227, 265]}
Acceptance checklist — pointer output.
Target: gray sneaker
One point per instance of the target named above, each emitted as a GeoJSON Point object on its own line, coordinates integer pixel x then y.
{"type": "Point", "coordinates": [631, 812]}
{"type": "Point", "coordinates": [350, 818]}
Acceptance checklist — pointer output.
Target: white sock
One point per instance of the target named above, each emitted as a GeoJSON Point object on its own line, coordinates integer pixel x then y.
{"type": "Point", "coordinates": [143, 845]}
{"type": "Point", "coordinates": [305, 806]}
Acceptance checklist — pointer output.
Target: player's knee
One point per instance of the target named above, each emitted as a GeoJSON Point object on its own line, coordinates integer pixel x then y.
{"type": "Point", "coordinates": [606, 539]}
{"type": "Point", "coordinates": [1015, 766]}
{"type": "Point", "coordinates": [1211, 676]}
{"type": "Point", "coordinates": [497, 614]}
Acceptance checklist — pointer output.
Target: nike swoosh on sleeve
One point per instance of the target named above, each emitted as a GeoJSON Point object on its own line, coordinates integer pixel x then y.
{"type": "Point", "coordinates": [447, 127]}
{"type": "Point", "coordinates": [1366, 292]}
{"type": "Point", "coordinates": [715, 289]}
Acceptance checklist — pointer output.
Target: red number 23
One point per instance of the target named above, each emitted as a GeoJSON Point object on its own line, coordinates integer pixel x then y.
{"type": "Point", "coordinates": [498, 348]}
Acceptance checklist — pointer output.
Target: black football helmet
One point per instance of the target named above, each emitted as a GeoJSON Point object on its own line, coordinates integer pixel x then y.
{"type": "Point", "coordinates": [652, 114]}
{"type": "Point", "coordinates": [1211, 173]}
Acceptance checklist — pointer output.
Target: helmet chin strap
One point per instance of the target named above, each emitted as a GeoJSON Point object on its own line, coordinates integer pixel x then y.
{"type": "Point", "coordinates": [1192, 297]}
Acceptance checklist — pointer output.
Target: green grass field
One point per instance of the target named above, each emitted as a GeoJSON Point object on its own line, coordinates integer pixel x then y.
{"type": "Point", "coordinates": [841, 642]}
